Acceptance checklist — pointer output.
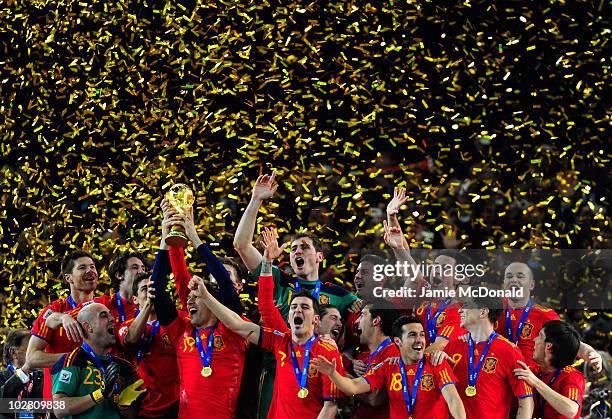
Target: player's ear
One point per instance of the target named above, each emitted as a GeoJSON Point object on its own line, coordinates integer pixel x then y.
{"type": "Point", "coordinates": [548, 347]}
{"type": "Point", "coordinates": [316, 319]}
{"type": "Point", "coordinates": [320, 257]}
{"type": "Point", "coordinates": [397, 341]}
{"type": "Point", "coordinates": [134, 299]}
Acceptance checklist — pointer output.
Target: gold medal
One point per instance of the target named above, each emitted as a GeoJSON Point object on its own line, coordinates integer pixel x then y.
{"type": "Point", "coordinates": [303, 393]}
{"type": "Point", "coordinates": [470, 391]}
{"type": "Point", "coordinates": [206, 371]}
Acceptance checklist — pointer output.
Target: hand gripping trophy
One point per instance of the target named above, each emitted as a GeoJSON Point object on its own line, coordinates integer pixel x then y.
{"type": "Point", "coordinates": [181, 198]}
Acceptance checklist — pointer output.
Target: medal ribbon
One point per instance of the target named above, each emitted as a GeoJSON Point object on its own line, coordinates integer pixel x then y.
{"type": "Point", "coordinates": [303, 376]}
{"type": "Point", "coordinates": [316, 291]}
{"type": "Point", "coordinates": [554, 377]}
{"type": "Point", "coordinates": [144, 343]}
{"type": "Point", "coordinates": [432, 330]}
{"type": "Point", "coordinates": [382, 346]}
{"type": "Point", "coordinates": [539, 402]}
{"type": "Point", "coordinates": [473, 372]}
{"type": "Point", "coordinates": [120, 307]}
{"type": "Point", "coordinates": [71, 301]}
{"type": "Point", "coordinates": [205, 357]}
{"type": "Point", "coordinates": [410, 399]}
{"type": "Point", "coordinates": [521, 323]}
{"type": "Point", "coordinates": [97, 361]}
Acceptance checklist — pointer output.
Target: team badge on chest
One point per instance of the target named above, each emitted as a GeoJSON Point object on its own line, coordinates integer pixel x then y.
{"type": "Point", "coordinates": [490, 364]}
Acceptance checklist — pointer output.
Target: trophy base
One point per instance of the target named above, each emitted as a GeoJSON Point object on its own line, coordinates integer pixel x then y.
{"type": "Point", "coordinates": [176, 239]}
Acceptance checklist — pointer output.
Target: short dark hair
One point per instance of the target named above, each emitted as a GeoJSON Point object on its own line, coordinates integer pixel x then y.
{"type": "Point", "coordinates": [373, 259]}
{"type": "Point", "coordinates": [324, 309]}
{"type": "Point", "coordinates": [14, 339]}
{"type": "Point", "coordinates": [226, 260]}
{"type": "Point", "coordinates": [316, 242]}
{"type": "Point", "coordinates": [459, 256]}
{"type": "Point", "coordinates": [70, 258]}
{"type": "Point", "coordinates": [119, 265]}
{"type": "Point", "coordinates": [387, 315]}
{"type": "Point", "coordinates": [565, 342]}
{"type": "Point", "coordinates": [137, 280]}
{"type": "Point", "coordinates": [306, 293]}
{"type": "Point", "coordinates": [494, 304]}
{"type": "Point", "coordinates": [399, 323]}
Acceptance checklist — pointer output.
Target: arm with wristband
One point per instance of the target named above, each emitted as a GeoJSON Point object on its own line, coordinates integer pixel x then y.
{"type": "Point", "coordinates": [270, 315]}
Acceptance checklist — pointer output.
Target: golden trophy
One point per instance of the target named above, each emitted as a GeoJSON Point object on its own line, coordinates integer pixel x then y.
{"type": "Point", "coordinates": [181, 198]}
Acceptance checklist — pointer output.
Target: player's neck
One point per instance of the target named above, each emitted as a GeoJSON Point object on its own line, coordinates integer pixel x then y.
{"type": "Point", "coordinates": [408, 360]}
{"type": "Point", "coordinates": [547, 368]}
{"type": "Point", "coordinates": [514, 304]}
{"type": "Point", "coordinates": [481, 331]}
{"type": "Point", "coordinates": [99, 350]}
{"type": "Point", "coordinates": [125, 293]}
{"type": "Point", "coordinates": [152, 316]}
{"type": "Point", "coordinates": [311, 277]}
{"type": "Point", "coordinates": [211, 321]}
{"type": "Point", "coordinates": [302, 339]}
{"type": "Point", "coordinates": [80, 296]}
{"type": "Point", "coordinates": [376, 340]}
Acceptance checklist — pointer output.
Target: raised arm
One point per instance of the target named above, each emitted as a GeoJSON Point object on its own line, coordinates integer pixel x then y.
{"type": "Point", "coordinates": [345, 384]}
{"type": "Point", "coordinates": [177, 257]}
{"type": "Point", "coordinates": [270, 315]}
{"type": "Point", "coordinates": [163, 304]}
{"type": "Point", "coordinates": [243, 238]}
{"type": "Point", "coordinates": [139, 324]}
{"type": "Point", "coordinates": [233, 321]}
{"type": "Point", "coordinates": [589, 354]}
{"type": "Point", "coordinates": [227, 293]}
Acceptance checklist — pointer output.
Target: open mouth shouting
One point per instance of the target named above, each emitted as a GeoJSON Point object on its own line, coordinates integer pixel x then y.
{"type": "Point", "coordinates": [298, 321]}
{"type": "Point", "coordinates": [299, 262]}
{"type": "Point", "coordinates": [111, 330]}
{"type": "Point", "coordinates": [335, 333]}
{"type": "Point", "coordinates": [192, 309]}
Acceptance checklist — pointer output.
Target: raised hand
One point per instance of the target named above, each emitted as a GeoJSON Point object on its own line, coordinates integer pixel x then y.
{"type": "Point", "coordinates": [270, 244]}
{"type": "Point", "coordinates": [399, 199]}
{"type": "Point", "coordinates": [188, 224]}
{"type": "Point", "coordinates": [394, 238]}
{"type": "Point", "coordinates": [264, 187]}
{"type": "Point", "coordinates": [323, 365]}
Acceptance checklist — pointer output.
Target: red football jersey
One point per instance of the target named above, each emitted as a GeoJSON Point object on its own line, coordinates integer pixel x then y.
{"type": "Point", "coordinates": [57, 340]}
{"type": "Point", "coordinates": [285, 401]}
{"type": "Point", "coordinates": [448, 323]}
{"type": "Point", "coordinates": [496, 385]}
{"type": "Point", "coordinates": [157, 368]}
{"type": "Point", "coordinates": [538, 316]}
{"type": "Point", "coordinates": [110, 301]}
{"type": "Point", "coordinates": [364, 410]}
{"type": "Point", "coordinates": [570, 384]}
{"type": "Point", "coordinates": [216, 395]}
{"type": "Point", "coordinates": [429, 400]}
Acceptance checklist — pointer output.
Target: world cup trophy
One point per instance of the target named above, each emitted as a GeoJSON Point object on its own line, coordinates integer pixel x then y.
{"type": "Point", "coordinates": [181, 198]}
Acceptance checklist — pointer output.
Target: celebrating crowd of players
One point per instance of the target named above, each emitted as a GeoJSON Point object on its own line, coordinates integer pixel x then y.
{"type": "Point", "coordinates": [330, 353]}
